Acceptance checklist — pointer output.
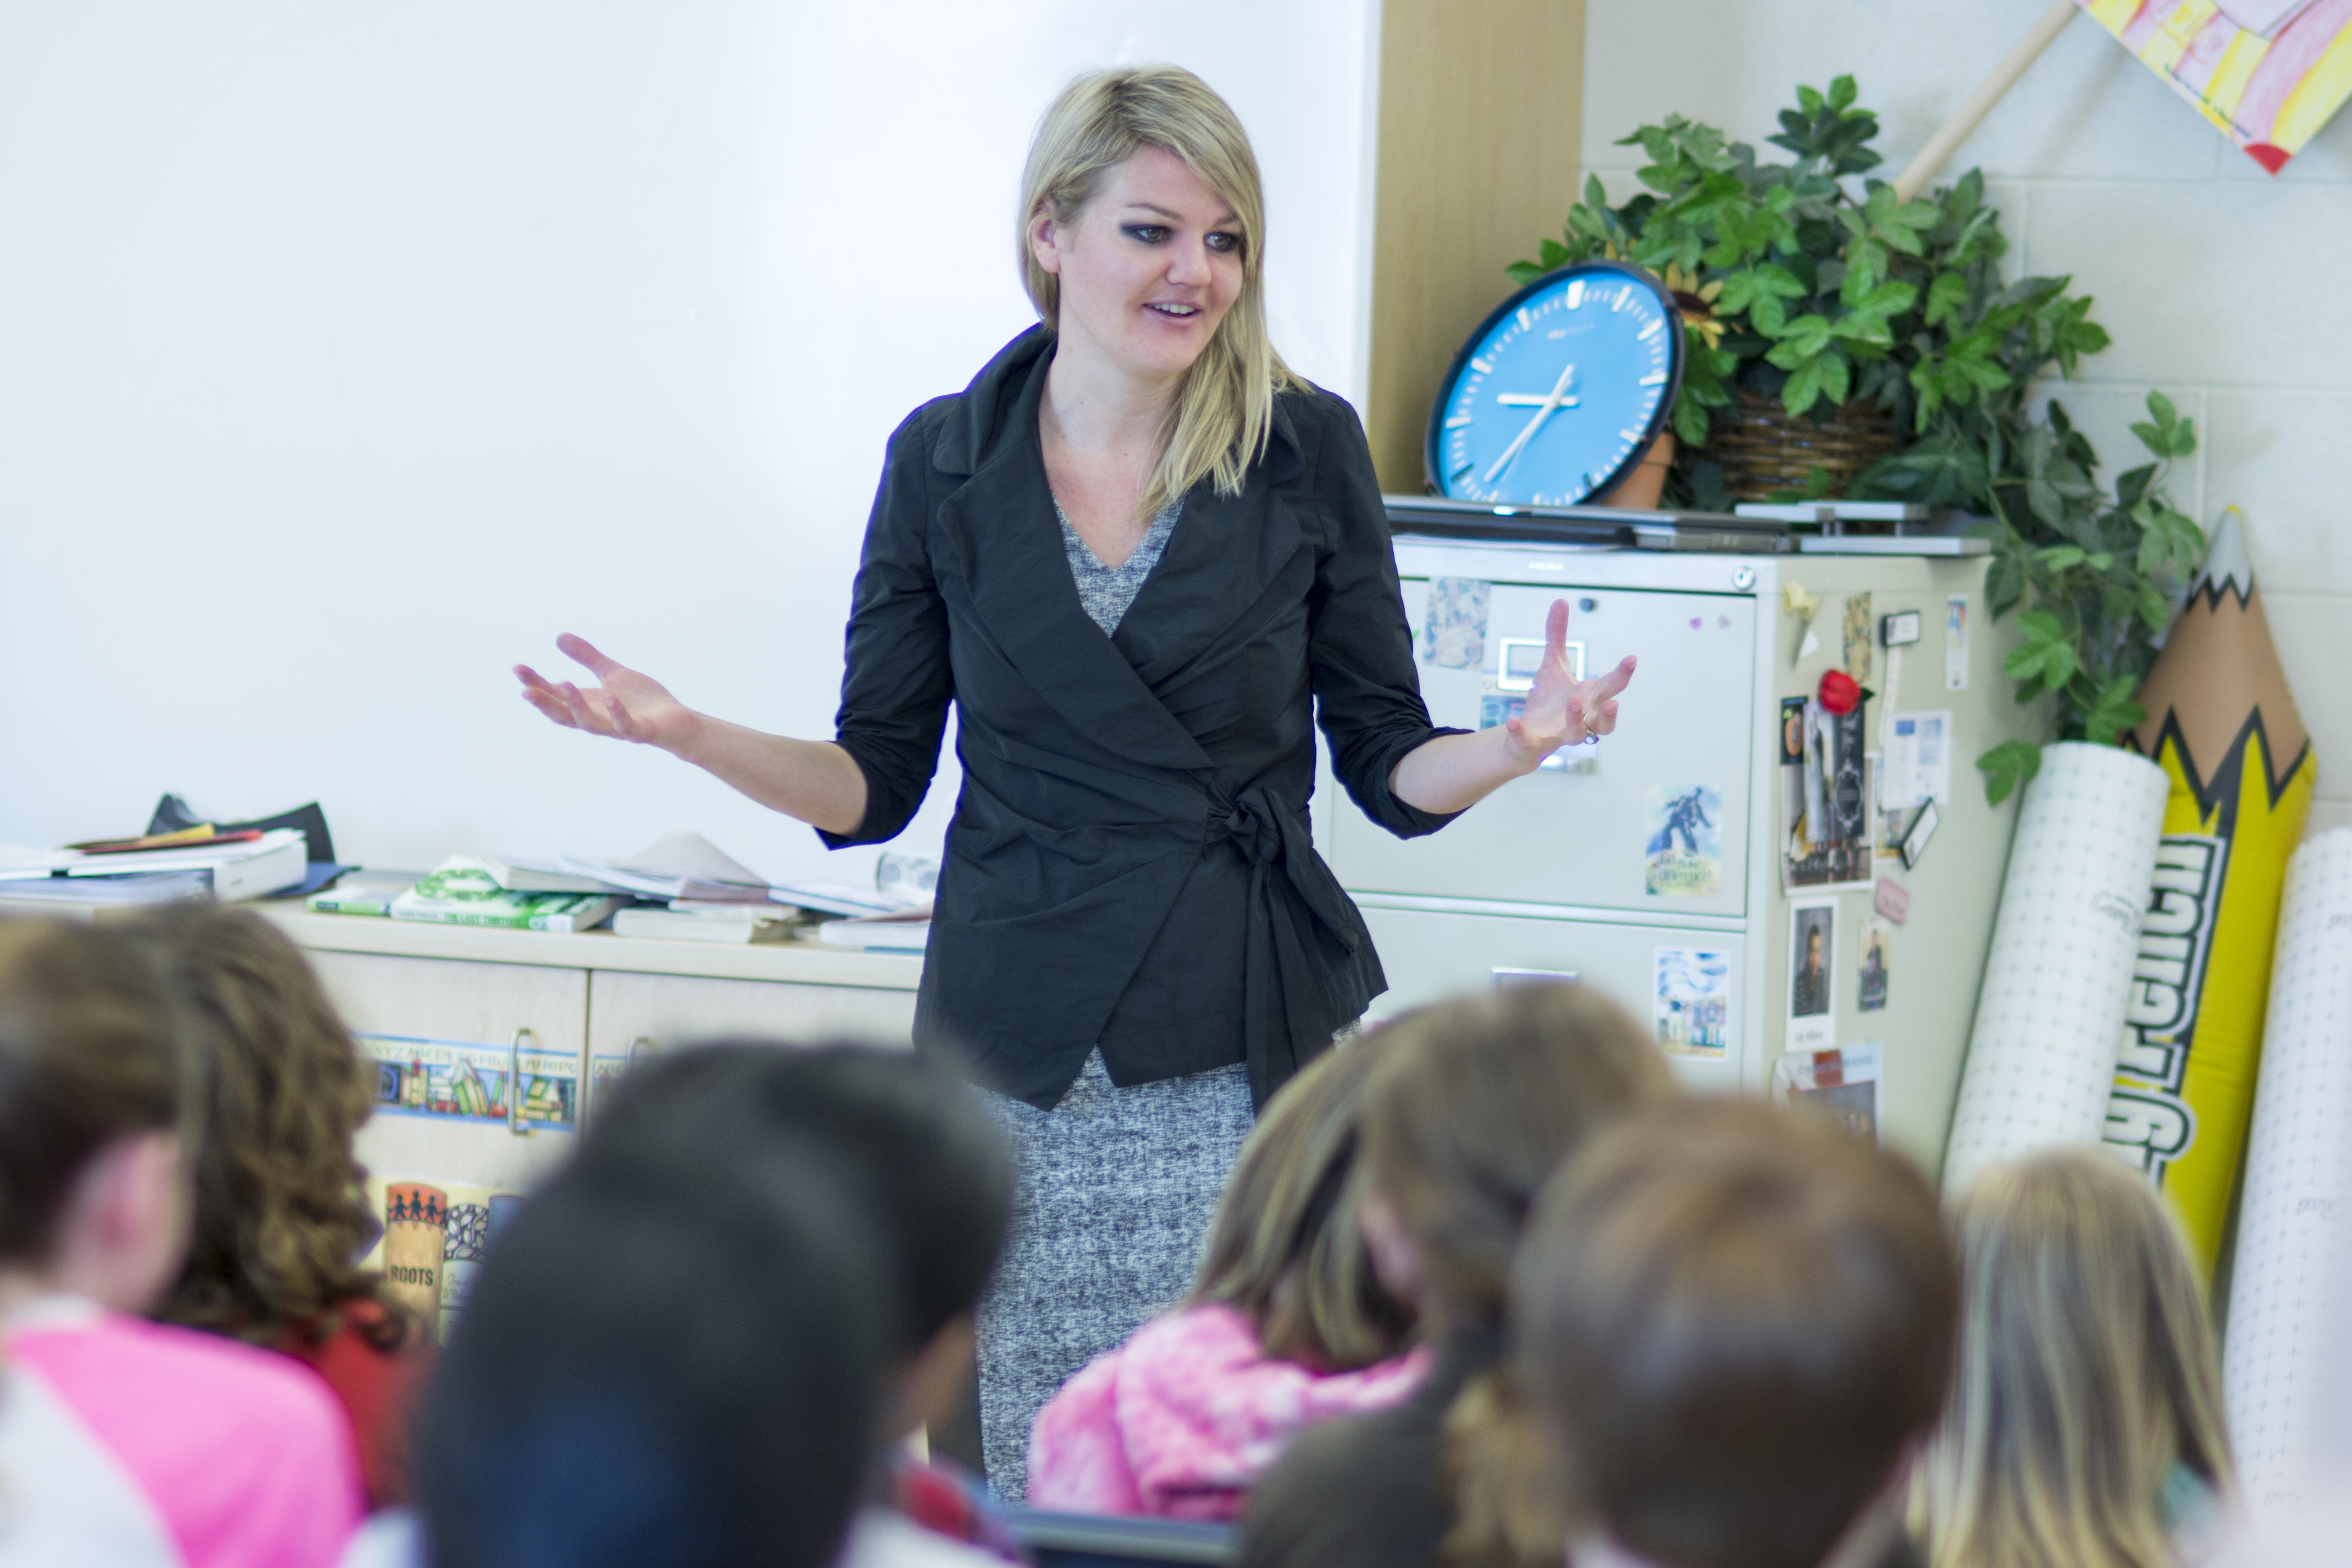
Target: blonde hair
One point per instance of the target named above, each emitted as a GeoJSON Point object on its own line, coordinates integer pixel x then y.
{"type": "Point", "coordinates": [2087, 1372]}
{"type": "Point", "coordinates": [1223, 413]}
{"type": "Point", "coordinates": [1476, 1103]}
{"type": "Point", "coordinates": [1287, 1249]}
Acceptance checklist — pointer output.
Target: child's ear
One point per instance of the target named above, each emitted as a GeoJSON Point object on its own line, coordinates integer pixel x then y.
{"type": "Point", "coordinates": [126, 1227]}
{"type": "Point", "coordinates": [1394, 1257]}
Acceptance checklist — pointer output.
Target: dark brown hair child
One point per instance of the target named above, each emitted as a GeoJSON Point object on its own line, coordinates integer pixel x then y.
{"type": "Point", "coordinates": [281, 1214]}
{"type": "Point", "coordinates": [123, 1440]}
{"type": "Point", "coordinates": [1474, 1105]}
{"type": "Point", "coordinates": [1736, 1323]}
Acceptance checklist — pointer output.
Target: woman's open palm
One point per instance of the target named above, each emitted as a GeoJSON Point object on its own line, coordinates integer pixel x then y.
{"type": "Point", "coordinates": [625, 705]}
{"type": "Point", "coordinates": [1561, 710]}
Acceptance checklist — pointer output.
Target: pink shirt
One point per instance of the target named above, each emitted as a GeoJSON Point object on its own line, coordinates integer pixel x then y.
{"type": "Point", "coordinates": [243, 1452]}
{"type": "Point", "coordinates": [1182, 1419]}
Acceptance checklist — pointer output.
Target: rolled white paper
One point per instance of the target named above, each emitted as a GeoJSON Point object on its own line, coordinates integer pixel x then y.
{"type": "Point", "coordinates": [2286, 1306]}
{"type": "Point", "coordinates": [2050, 1014]}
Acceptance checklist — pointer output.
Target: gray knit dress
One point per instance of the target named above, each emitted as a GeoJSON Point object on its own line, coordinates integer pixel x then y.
{"type": "Point", "coordinates": [1114, 1187]}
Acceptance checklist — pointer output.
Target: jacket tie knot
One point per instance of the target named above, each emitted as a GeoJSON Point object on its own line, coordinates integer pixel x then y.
{"type": "Point", "coordinates": [1250, 821]}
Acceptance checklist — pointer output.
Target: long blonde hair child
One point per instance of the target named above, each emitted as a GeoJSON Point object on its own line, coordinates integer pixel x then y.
{"type": "Point", "coordinates": [2086, 1406]}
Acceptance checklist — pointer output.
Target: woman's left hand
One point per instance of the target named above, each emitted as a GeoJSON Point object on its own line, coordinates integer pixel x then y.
{"type": "Point", "coordinates": [1561, 710]}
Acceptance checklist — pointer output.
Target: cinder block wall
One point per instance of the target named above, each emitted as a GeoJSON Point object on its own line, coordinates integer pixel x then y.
{"type": "Point", "coordinates": [2223, 286]}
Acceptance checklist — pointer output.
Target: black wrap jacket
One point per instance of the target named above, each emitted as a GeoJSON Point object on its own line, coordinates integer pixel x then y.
{"type": "Point", "coordinates": [1130, 864]}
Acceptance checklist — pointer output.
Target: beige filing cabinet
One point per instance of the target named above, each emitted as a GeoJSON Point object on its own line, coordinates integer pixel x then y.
{"type": "Point", "coordinates": [450, 1013]}
{"type": "Point", "coordinates": [1548, 875]}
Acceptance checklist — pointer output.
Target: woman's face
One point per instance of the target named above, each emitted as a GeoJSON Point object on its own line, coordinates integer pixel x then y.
{"type": "Point", "coordinates": [1147, 267]}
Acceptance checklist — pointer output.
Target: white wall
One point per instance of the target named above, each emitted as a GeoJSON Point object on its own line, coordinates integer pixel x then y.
{"type": "Point", "coordinates": [347, 354]}
{"type": "Point", "coordinates": [2220, 284]}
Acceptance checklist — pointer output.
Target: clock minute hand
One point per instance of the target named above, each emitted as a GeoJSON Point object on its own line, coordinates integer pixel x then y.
{"type": "Point", "coordinates": [1528, 400]}
{"type": "Point", "coordinates": [1543, 412]}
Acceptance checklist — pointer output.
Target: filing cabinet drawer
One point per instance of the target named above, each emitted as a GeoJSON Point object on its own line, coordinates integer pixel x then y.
{"type": "Point", "coordinates": [1580, 835]}
{"type": "Point", "coordinates": [1430, 956]}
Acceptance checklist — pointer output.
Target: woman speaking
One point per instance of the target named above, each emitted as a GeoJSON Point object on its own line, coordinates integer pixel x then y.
{"type": "Point", "coordinates": [1142, 559]}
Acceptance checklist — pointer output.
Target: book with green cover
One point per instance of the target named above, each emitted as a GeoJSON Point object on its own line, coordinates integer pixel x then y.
{"type": "Point", "coordinates": [462, 890]}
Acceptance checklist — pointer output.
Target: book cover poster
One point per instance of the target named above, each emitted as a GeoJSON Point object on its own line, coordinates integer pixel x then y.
{"type": "Point", "coordinates": [1826, 824]}
{"type": "Point", "coordinates": [1685, 850]}
{"type": "Point", "coordinates": [1690, 1002]}
{"type": "Point", "coordinates": [436, 1234]}
{"type": "Point", "coordinates": [468, 1082]}
{"type": "Point", "coordinates": [1842, 1084]}
{"type": "Point", "coordinates": [2265, 73]}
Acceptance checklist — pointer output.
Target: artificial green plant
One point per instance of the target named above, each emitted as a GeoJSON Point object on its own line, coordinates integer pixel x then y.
{"type": "Point", "coordinates": [1811, 283]}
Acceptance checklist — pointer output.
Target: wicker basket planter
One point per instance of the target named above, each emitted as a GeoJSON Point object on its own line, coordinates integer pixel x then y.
{"type": "Point", "coordinates": [1764, 451]}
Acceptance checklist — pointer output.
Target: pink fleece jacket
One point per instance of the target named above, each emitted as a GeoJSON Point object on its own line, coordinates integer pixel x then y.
{"type": "Point", "coordinates": [1182, 1419]}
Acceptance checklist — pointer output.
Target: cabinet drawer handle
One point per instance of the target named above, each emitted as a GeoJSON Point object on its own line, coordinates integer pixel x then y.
{"type": "Point", "coordinates": [515, 1123]}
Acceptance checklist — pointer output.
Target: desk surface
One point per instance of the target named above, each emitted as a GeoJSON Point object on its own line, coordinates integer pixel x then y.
{"type": "Point", "coordinates": [795, 963]}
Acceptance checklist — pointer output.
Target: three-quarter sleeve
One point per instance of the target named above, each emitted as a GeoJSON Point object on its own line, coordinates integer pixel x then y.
{"type": "Point", "coordinates": [898, 682]}
{"type": "Point", "coordinates": [1367, 688]}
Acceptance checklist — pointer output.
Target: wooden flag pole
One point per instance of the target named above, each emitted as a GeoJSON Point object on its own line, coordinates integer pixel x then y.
{"type": "Point", "coordinates": [1955, 131]}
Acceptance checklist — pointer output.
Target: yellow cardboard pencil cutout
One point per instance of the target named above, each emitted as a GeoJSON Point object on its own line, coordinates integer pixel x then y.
{"type": "Point", "coordinates": [2224, 726]}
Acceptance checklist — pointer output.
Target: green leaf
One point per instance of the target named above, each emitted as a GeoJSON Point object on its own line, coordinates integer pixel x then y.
{"type": "Point", "coordinates": [2058, 557]}
{"type": "Point", "coordinates": [1842, 93]}
{"type": "Point", "coordinates": [1945, 296]}
{"type": "Point", "coordinates": [1769, 315]}
{"type": "Point", "coordinates": [1889, 298]}
{"type": "Point", "coordinates": [2007, 767]}
{"type": "Point", "coordinates": [2161, 407]}
{"type": "Point", "coordinates": [1552, 253]}
{"type": "Point", "coordinates": [1774, 278]}
{"type": "Point", "coordinates": [1692, 425]}
{"type": "Point", "coordinates": [1804, 388]}
{"type": "Point", "coordinates": [2113, 712]}
{"type": "Point", "coordinates": [1836, 381]}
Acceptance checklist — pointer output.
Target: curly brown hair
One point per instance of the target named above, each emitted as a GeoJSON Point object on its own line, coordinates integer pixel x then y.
{"type": "Point", "coordinates": [282, 1203]}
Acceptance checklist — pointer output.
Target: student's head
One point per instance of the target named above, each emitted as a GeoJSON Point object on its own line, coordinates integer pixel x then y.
{"type": "Point", "coordinates": [280, 1219]}
{"type": "Point", "coordinates": [667, 1361]}
{"type": "Point", "coordinates": [1813, 948]}
{"type": "Point", "coordinates": [2087, 1372]}
{"type": "Point", "coordinates": [1474, 1103]}
{"type": "Point", "coordinates": [1142, 246]}
{"type": "Point", "coordinates": [904, 1136]}
{"type": "Point", "coordinates": [93, 1089]}
{"type": "Point", "coordinates": [1737, 1321]}
{"type": "Point", "coordinates": [1287, 1249]}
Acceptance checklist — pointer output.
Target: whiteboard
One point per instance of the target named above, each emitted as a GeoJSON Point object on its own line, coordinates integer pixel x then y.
{"type": "Point", "coordinates": [347, 354]}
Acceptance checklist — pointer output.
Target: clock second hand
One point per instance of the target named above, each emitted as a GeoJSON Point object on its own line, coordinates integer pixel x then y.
{"type": "Point", "coordinates": [1543, 412]}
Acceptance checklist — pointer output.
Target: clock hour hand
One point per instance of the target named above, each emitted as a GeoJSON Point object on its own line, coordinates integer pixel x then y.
{"type": "Point", "coordinates": [1543, 411]}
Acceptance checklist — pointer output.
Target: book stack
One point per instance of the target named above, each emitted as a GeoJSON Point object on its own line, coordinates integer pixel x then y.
{"type": "Point", "coordinates": [695, 919]}
{"type": "Point", "coordinates": [119, 873]}
{"type": "Point", "coordinates": [465, 890]}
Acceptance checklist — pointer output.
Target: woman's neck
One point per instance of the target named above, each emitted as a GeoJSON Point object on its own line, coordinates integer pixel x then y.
{"type": "Point", "coordinates": [1099, 410]}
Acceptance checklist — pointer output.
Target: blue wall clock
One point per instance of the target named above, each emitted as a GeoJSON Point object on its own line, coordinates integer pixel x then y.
{"type": "Point", "coordinates": [1559, 393]}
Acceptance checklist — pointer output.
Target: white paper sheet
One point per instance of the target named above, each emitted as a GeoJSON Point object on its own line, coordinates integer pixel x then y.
{"type": "Point", "coordinates": [2295, 1212]}
{"type": "Point", "coordinates": [1918, 760]}
{"type": "Point", "coordinates": [2050, 1014]}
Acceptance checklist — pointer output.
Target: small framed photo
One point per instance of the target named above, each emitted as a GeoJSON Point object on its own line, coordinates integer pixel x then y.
{"type": "Point", "coordinates": [1813, 974]}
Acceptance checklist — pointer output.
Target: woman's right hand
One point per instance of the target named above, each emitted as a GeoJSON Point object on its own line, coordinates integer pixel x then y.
{"type": "Point", "coordinates": [625, 705]}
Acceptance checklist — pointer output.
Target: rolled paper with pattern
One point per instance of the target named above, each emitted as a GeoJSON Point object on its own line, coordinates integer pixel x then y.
{"type": "Point", "coordinates": [2050, 1014]}
{"type": "Point", "coordinates": [2282, 1366]}
{"type": "Point", "coordinates": [416, 1236]}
